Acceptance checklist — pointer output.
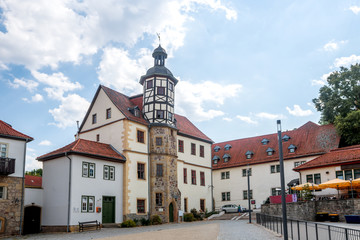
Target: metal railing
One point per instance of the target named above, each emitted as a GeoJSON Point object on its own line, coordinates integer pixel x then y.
{"type": "Point", "coordinates": [305, 230]}
{"type": "Point", "coordinates": [7, 166]}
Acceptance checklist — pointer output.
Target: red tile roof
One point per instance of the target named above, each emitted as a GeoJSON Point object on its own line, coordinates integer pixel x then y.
{"type": "Point", "coordinates": [33, 181]}
{"type": "Point", "coordinates": [310, 139]}
{"type": "Point", "coordinates": [6, 130]}
{"type": "Point", "coordinates": [86, 148]}
{"type": "Point", "coordinates": [123, 103]}
{"type": "Point", "coordinates": [339, 156]}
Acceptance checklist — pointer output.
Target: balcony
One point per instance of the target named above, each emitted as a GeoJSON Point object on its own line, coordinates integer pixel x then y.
{"type": "Point", "coordinates": [7, 166]}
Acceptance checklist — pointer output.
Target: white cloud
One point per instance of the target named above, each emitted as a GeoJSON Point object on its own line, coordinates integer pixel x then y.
{"type": "Point", "coordinates": [31, 162]}
{"type": "Point", "coordinates": [214, 5]}
{"type": "Point", "coordinates": [355, 9]}
{"type": "Point", "coordinates": [297, 111]}
{"type": "Point", "coordinates": [322, 81]}
{"type": "Point", "coordinates": [199, 100]}
{"type": "Point", "coordinates": [45, 143]}
{"type": "Point", "coordinates": [346, 61]}
{"type": "Point", "coordinates": [246, 119]}
{"type": "Point", "coordinates": [72, 108]}
{"type": "Point", "coordinates": [332, 45]}
{"type": "Point", "coordinates": [36, 98]}
{"type": "Point", "coordinates": [227, 119]}
{"type": "Point", "coordinates": [30, 85]}
{"type": "Point", "coordinates": [269, 116]}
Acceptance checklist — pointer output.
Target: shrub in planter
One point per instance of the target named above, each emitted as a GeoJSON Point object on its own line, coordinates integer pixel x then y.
{"type": "Point", "coordinates": [128, 223]}
{"type": "Point", "coordinates": [197, 215]}
{"type": "Point", "coordinates": [189, 217]}
{"type": "Point", "coordinates": [155, 220]}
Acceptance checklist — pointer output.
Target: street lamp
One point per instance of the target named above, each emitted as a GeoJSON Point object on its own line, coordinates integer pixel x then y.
{"type": "Point", "coordinates": [248, 192]}
{"type": "Point", "coordinates": [282, 180]}
{"type": "Point", "coordinates": [352, 193]}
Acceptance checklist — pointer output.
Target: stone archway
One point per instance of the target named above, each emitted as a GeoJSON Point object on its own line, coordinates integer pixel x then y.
{"type": "Point", "coordinates": [173, 212]}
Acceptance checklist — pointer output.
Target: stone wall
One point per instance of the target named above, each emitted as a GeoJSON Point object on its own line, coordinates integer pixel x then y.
{"type": "Point", "coordinates": [307, 210]}
{"type": "Point", "coordinates": [10, 208]}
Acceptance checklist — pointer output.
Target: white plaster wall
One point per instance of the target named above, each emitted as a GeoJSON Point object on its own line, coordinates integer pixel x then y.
{"type": "Point", "coordinates": [97, 187]}
{"type": "Point", "coordinates": [100, 105]}
{"type": "Point", "coordinates": [33, 196]}
{"type": "Point", "coordinates": [194, 159]}
{"type": "Point", "coordinates": [15, 150]}
{"type": "Point", "coordinates": [134, 145]}
{"type": "Point", "coordinates": [55, 185]}
{"type": "Point", "coordinates": [261, 182]}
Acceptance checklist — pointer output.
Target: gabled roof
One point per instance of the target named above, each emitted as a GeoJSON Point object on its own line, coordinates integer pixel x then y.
{"type": "Point", "coordinates": [33, 181]}
{"type": "Point", "coordinates": [339, 156]}
{"type": "Point", "coordinates": [123, 103]}
{"type": "Point", "coordinates": [310, 140]}
{"type": "Point", "coordinates": [86, 148]}
{"type": "Point", "coordinates": [7, 131]}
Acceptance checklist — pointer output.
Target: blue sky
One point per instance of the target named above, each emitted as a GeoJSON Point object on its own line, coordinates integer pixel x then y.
{"type": "Point", "coordinates": [242, 64]}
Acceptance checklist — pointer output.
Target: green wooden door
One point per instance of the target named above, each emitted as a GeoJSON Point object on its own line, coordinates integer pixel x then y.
{"type": "Point", "coordinates": [108, 209]}
{"type": "Point", "coordinates": [171, 213]}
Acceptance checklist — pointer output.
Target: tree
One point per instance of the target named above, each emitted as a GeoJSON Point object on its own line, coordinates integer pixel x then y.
{"type": "Point", "coordinates": [349, 127]}
{"type": "Point", "coordinates": [341, 96]}
{"type": "Point", "coordinates": [35, 172]}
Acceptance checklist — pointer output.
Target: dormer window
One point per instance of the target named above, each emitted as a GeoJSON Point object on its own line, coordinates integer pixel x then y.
{"type": "Point", "coordinates": [135, 111]}
{"type": "Point", "coordinates": [270, 151]}
{"type": "Point", "coordinates": [286, 138]}
{"type": "Point", "coordinates": [227, 147]}
{"type": "Point", "coordinates": [217, 148]}
{"type": "Point", "coordinates": [216, 159]}
{"type": "Point", "coordinates": [249, 154]}
{"type": "Point", "coordinates": [292, 148]}
{"type": "Point", "coordinates": [226, 157]}
{"type": "Point", "coordinates": [265, 141]}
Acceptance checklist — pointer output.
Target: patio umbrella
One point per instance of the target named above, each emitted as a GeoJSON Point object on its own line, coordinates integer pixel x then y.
{"type": "Point", "coordinates": [356, 183]}
{"type": "Point", "coordinates": [335, 183]}
{"type": "Point", "coordinates": [310, 186]}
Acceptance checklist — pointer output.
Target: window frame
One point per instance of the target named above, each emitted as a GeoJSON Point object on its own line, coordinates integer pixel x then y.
{"type": "Point", "coordinates": [202, 178]}
{"type": "Point", "coordinates": [193, 149]}
{"type": "Point", "coordinates": [88, 170]}
{"type": "Point", "coordinates": [109, 170]}
{"type": "Point", "coordinates": [141, 173]}
{"type": "Point", "coordinates": [225, 196]}
{"type": "Point", "coordinates": [87, 206]}
{"type": "Point", "coordinates": [160, 91]}
{"type": "Point", "coordinates": [143, 206]}
{"type": "Point", "coordinates": [94, 118]}
{"type": "Point", "coordinates": [160, 114]}
{"type": "Point", "coordinates": [275, 192]}
{"type": "Point", "coordinates": [225, 175]}
{"type": "Point", "coordinates": [108, 113]}
{"type": "Point", "coordinates": [202, 151]}
{"type": "Point", "coordinates": [185, 175]}
{"type": "Point", "coordinates": [275, 168]}
{"type": "Point", "coordinates": [171, 86]}
{"type": "Point", "coordinates": [159, 170]}
{"type": "Point", "coordinates": [3, 193]}
{"type": "Point", "coordinates": [202, 204]}
{"type": "Point", "coordinates": [140, 136]}
{"type": "Point", "coordinates": [149, 83]}
{"type": "Point", "coordinates": [6, 149]}
{"type": "Point", "coordinates": [193, 177]}
{"type": "Point", "coordinates": [158, 141]}
{"type": "Point", "coordinates": [158, 199]}
{"type": "Point", "coordinates": [181, 145]}
{"type": "Point", "coordinates": [244, 172]}
{"type": "Point", "coordinates": [245, 194]}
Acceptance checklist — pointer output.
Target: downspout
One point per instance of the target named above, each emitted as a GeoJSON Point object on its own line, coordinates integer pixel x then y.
{"type": "Point", "coordinates": [149, 190]}
{"type": "Point", "coordinates": [212, 190]}
{"type": "Point", "coordinates": [22, 189]}
{"type": "Point", "coordinates": [69, 194]}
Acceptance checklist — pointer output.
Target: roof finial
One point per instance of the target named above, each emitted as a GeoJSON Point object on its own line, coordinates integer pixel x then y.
{"type": "Point", "coordinates": [158, 35]}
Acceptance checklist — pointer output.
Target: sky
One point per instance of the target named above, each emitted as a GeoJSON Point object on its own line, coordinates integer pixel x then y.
{"type": "Point", "coordinates": [241, 64]}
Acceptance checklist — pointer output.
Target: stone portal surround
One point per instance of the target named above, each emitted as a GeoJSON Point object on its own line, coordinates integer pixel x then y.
{"type": "Point", "coordinates": [10, 208]}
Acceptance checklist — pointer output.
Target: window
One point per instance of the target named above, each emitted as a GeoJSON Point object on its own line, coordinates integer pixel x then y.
{"type": "Point", "coordinates": [249, 154]}
{"type": "Point", "coordinates": [158, 199]}
{"type": "Point", "coordinates": [244, 172]}
{"type": "Point", "coordinates": [140, 205]}
{"type": "Point", "coordinates": [296, 164]}
{"type": "Point", "coordinates": [286, 138]}
{"type": "Point", "coordinates": [226, 157]}
{"type": "Point", "coordinates": [140, 136]}
{"type": "Point", "coordinates": [160, 114]}
{"type": "Point", "coordinates": [193, 149]}
{"type": "Point", "coordinates": [149, 84]}
{"type": "Point", "coordinates": [161, 90]}
{"type": "Point", "coordinates": [316, 178]}
{"type": "Point", "coordinates": [88, 170]}
{"type": "Point", "coordinates": [348, 174]}
{"type": "Point", "coordinates": [227, 147]}
{"type": "Point", "coordinates": [170, 116]}
{"type": "Point", "coordinates": [309, 178]}
{"type": "Point", "coordinates": [185, 175]}
{"type": "Point", "coordinates": [3, 150]}
{"type": "Point", "coordinates": [193, 177]}
{"type": "Point", "coordinates": [141, 170]}
{"type": "Point", "coordinates": [159, 141]}
{"type": "Point", "coordinates": [216, 149]}
{"type": "Point", "coordinates": [87, 203]}
{"type": "Point", "coordinates": [181, 146]}
{"type": "Point", "coordinates": [202, 179]}
{"type": "Point", "coordinates": [225, 196]}
{"type": "Point", "coordinates": [356, 173]}
{"type": "Point", "coordinates": [202, 151]}
{"type": "Point", "coordinates": [275, 191]}
{"type": "Point", "coordinates": [94, 118]}
{"type": "Point", "coordinates": [2, 192]}
{"type": "Point", "coordinates": [265, 141]}
{"type": "Point", "coordinates": [216, 159]}
{"type": "Point", "coordinates": [275, 168]}
{"type": "Point", "coordinates": [98, 137]}
{"type": "Point", "coordinates": [109, 172]}
{"type": "Point", "coordinates": [292, 148]}
{"type": "Point", "coordinates": [270, 151]}
{"type": "Point", "coordinates": [202, 205]}
{"type": "Point", "coordinates": [339, 174]}
{"type": "Point", "coordinates": [171, 86]}
{"type": "Point", "coordinates": [2, 224]}
{"type": "Point", "coordinates": [159, 170]}
{"type": "Point", "coordinates": [225, 175]}
{"type": "Point", "coordinates": [245, 194]}
{"type": "Point", "coordinates": [108, 113]}
{"type": "Point", "coordinates": [185, 204]}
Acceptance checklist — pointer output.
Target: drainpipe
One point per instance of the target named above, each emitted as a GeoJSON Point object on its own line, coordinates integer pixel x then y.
{"type": "Point", "coordinates": [22, 189]}
{"type": "Point", "coordinates": [149, 190]}
{"type": "Point", "coordinates": [69, 194]}
{"type": "Point", "coordinates": [212, 190]}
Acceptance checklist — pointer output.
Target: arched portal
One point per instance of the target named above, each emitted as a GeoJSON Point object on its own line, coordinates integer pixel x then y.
{"type": "Point", "coordinates": [32, 219]}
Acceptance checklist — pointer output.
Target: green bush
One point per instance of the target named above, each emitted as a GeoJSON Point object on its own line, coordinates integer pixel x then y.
{"type": "Point", "coordinates": [189, 217]}
{"type": "Point", "coordinates": [196, 215]}
{"type": "Point", "coordinates": [128, 224]}
{"type": "Point", "coordinates": [155, 220]}
{"type": "Point", "coordinates": [145, 222]}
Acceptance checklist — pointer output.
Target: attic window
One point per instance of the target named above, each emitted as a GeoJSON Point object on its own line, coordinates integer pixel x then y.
{"type": "Point", "coordinates": [286, 138]}
{"type": "Point", "coordinates": [249, 154]}
{"type": "Point", "coordinates": [270, 151]}
{"type": "Point", "coordinates": [216, 159]}
{"type": "Point", "coordinates": [227, 147]}
{"type": "Point", "coordinates": [217, 148]}
{"type": "Point", "coordinates": [265, 141]}
{"type": "Point", "coordinates": [226, 157]}
{"type": "Point", "coordinates": [292, 148]}
{"type": "Point", "coordinates": [135, 111]}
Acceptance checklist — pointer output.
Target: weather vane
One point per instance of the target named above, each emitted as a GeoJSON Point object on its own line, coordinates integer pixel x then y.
{"type": "Point", "coordinates": [158, 35]}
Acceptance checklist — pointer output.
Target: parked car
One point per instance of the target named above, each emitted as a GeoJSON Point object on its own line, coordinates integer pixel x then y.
{"type": "Point", "coordinates": [230, 208]}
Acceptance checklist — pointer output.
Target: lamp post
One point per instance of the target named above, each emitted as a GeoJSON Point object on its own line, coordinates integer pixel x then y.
{"type": "Point", "coordinates": [352, 193]}
{"type": "Point", "coordinates": [248, 192]}
{"type": "Point", "coordinates": [282, 181]}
